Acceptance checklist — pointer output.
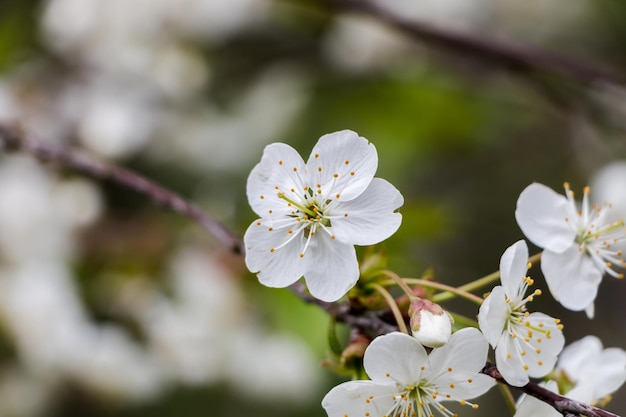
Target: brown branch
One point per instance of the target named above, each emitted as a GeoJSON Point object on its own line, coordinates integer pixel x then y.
{"type": "Point", "coordinates": [14, 139]}
{"type": "Point", "coordinates": [563, 405]}
{"type": "Point", "coordinates": [367, 322]}
{"type": "Point", "coordinates": [509, 55]}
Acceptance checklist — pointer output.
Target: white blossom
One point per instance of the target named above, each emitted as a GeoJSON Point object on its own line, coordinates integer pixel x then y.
{"type": "Point", "coordinates": [594, 371]}
{"type": "Point", "coordinates": [311, 214]}
{"type": "Point", "coordinates": [526, 344]}
{"type": "Point", "coordinates": [406, 381]}
{"type": "Point", "coordinates": [585, 372]}
{"type": "Point", "coordinates": [579, 245]}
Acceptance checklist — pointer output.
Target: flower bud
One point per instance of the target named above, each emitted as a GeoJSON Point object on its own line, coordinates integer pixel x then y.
{"type": "Point", "coordinates": [430, 323]}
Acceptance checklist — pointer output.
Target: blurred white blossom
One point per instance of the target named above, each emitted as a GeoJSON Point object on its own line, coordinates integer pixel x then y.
{"type": "Point", "coordinates": [585, 372]}
{"type": "Point", "coordinates": [448, 14]}
{"type": "Point", "coordinates": [281, 366]}
{"type": "Point", "coordinates": [609, 185]}
{"type": "Point", "coordinates": [38, 214]}
{"type": "Point", "coordinates": [371, 44]}
{"type": "Point", "coordinates": [192, 336]}
{"type": "Point", "coordinates": [204, 334]}
{"type": "Point", "coordinates": [211, 138]}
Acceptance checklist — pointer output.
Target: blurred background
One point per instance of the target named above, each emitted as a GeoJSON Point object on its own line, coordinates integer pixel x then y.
{"type": "Point", "coordinates": [110, 305]}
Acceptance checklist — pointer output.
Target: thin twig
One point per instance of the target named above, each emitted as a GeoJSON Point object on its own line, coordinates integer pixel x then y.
{"type": "Point", "coordinates": [563, 405]}
{"type": "Point", "coordinates": [14, 139]}
{"type": "Point", "coordinates": [510, 55]}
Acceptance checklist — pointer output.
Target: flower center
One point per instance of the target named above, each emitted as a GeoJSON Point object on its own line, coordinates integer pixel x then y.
{"type": "Point", "coordinates": [420, 400]}
{"type": "Point", "coordinates": [309, 209]}
{"type": "Point", "coordinates": [307, 213]}
{"type": "Point", "coordinates": [595, 237]}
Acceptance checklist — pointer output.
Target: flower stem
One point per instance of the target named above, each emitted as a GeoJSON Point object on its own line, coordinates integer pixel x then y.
{"type": "Point", "coordinates": [401, 283]}
{"type": "Point", "coordinates": [508, 398]}
{"type": "Point", "coordinates": [480, 282]}
{"type": "Point", "coordinates": [393, 307]}
{"type": "Point", "coordinates": [449, 289]}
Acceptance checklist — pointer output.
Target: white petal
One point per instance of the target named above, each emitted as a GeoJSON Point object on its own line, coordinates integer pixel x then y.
{"type": "Point", "coordinates": [493, 314]}
{"type": "Point", "coordinates": [513, 268]}
{"type": "Point", "coordinates": [533, 350]}
{"type": "Point", "coordinates": [572, 277]}
{"type": "Point", "coordinates": [348, 155]}
{"type": "Point", "coordinates": [510, 363]}
{"type": "Point", "coordinates": [351, 399]}
{"type": "Point", "coordinates": [331, 267]}
{"type": "Point", "coordinates": [458, 362]}
{"type": "Point", "coordinates": [577, 354]}
{"type": "Point", "coordinates": [466, 350]}
{"type": "Point", "coordinates": [395, 357]}
{"type": "Point", "coordinates": [610, 373]}
{"type": "Point", "coordinates": [541, 214]}
{"type": "Point", "coordinates": [541, 351]}
{"type": "Point", "coordinates": [597, 372]}
{"type": "Point", "coordinates": [463, 385]}
{"type": "Point", "coordinates": [276, 169]}
{"type": "Point", "coordinates": [371, 217]}
{"type": "Point", "coordinates": [583, 393]}
{"type": "Point", "coordinates": [280, 268]}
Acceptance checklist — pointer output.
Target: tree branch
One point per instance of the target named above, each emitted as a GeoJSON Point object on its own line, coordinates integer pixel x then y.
{"type": "Point", "coordinates": [512, 56]}
{"type": "Point", "coordinates": [367, 322]}
{"type": "Point", "coordinates": [374, 323]}
{"type": "Point", "coordinates": [563, 405]}
{"type": "Point", "coordinates": [14, 139]}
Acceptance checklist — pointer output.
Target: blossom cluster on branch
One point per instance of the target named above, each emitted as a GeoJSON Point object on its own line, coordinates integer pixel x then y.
{"type": "Point", "coordinates": [312, 214]}
{"type": "Point", "coordinates": [408, 355]}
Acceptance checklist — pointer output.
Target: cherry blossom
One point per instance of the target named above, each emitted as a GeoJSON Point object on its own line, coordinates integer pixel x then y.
{"type": "Point", "coordinates": [526, 344]}
{"type": "Point", "coordinates": [312, 214]}
{"type": "Point", "coordinates": [579, 245]}
{"type": "Point", "coordinates": [406, 381]}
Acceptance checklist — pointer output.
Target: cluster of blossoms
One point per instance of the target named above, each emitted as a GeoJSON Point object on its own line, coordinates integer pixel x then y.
{"type": "Point", "coordinates": [312, 214]}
